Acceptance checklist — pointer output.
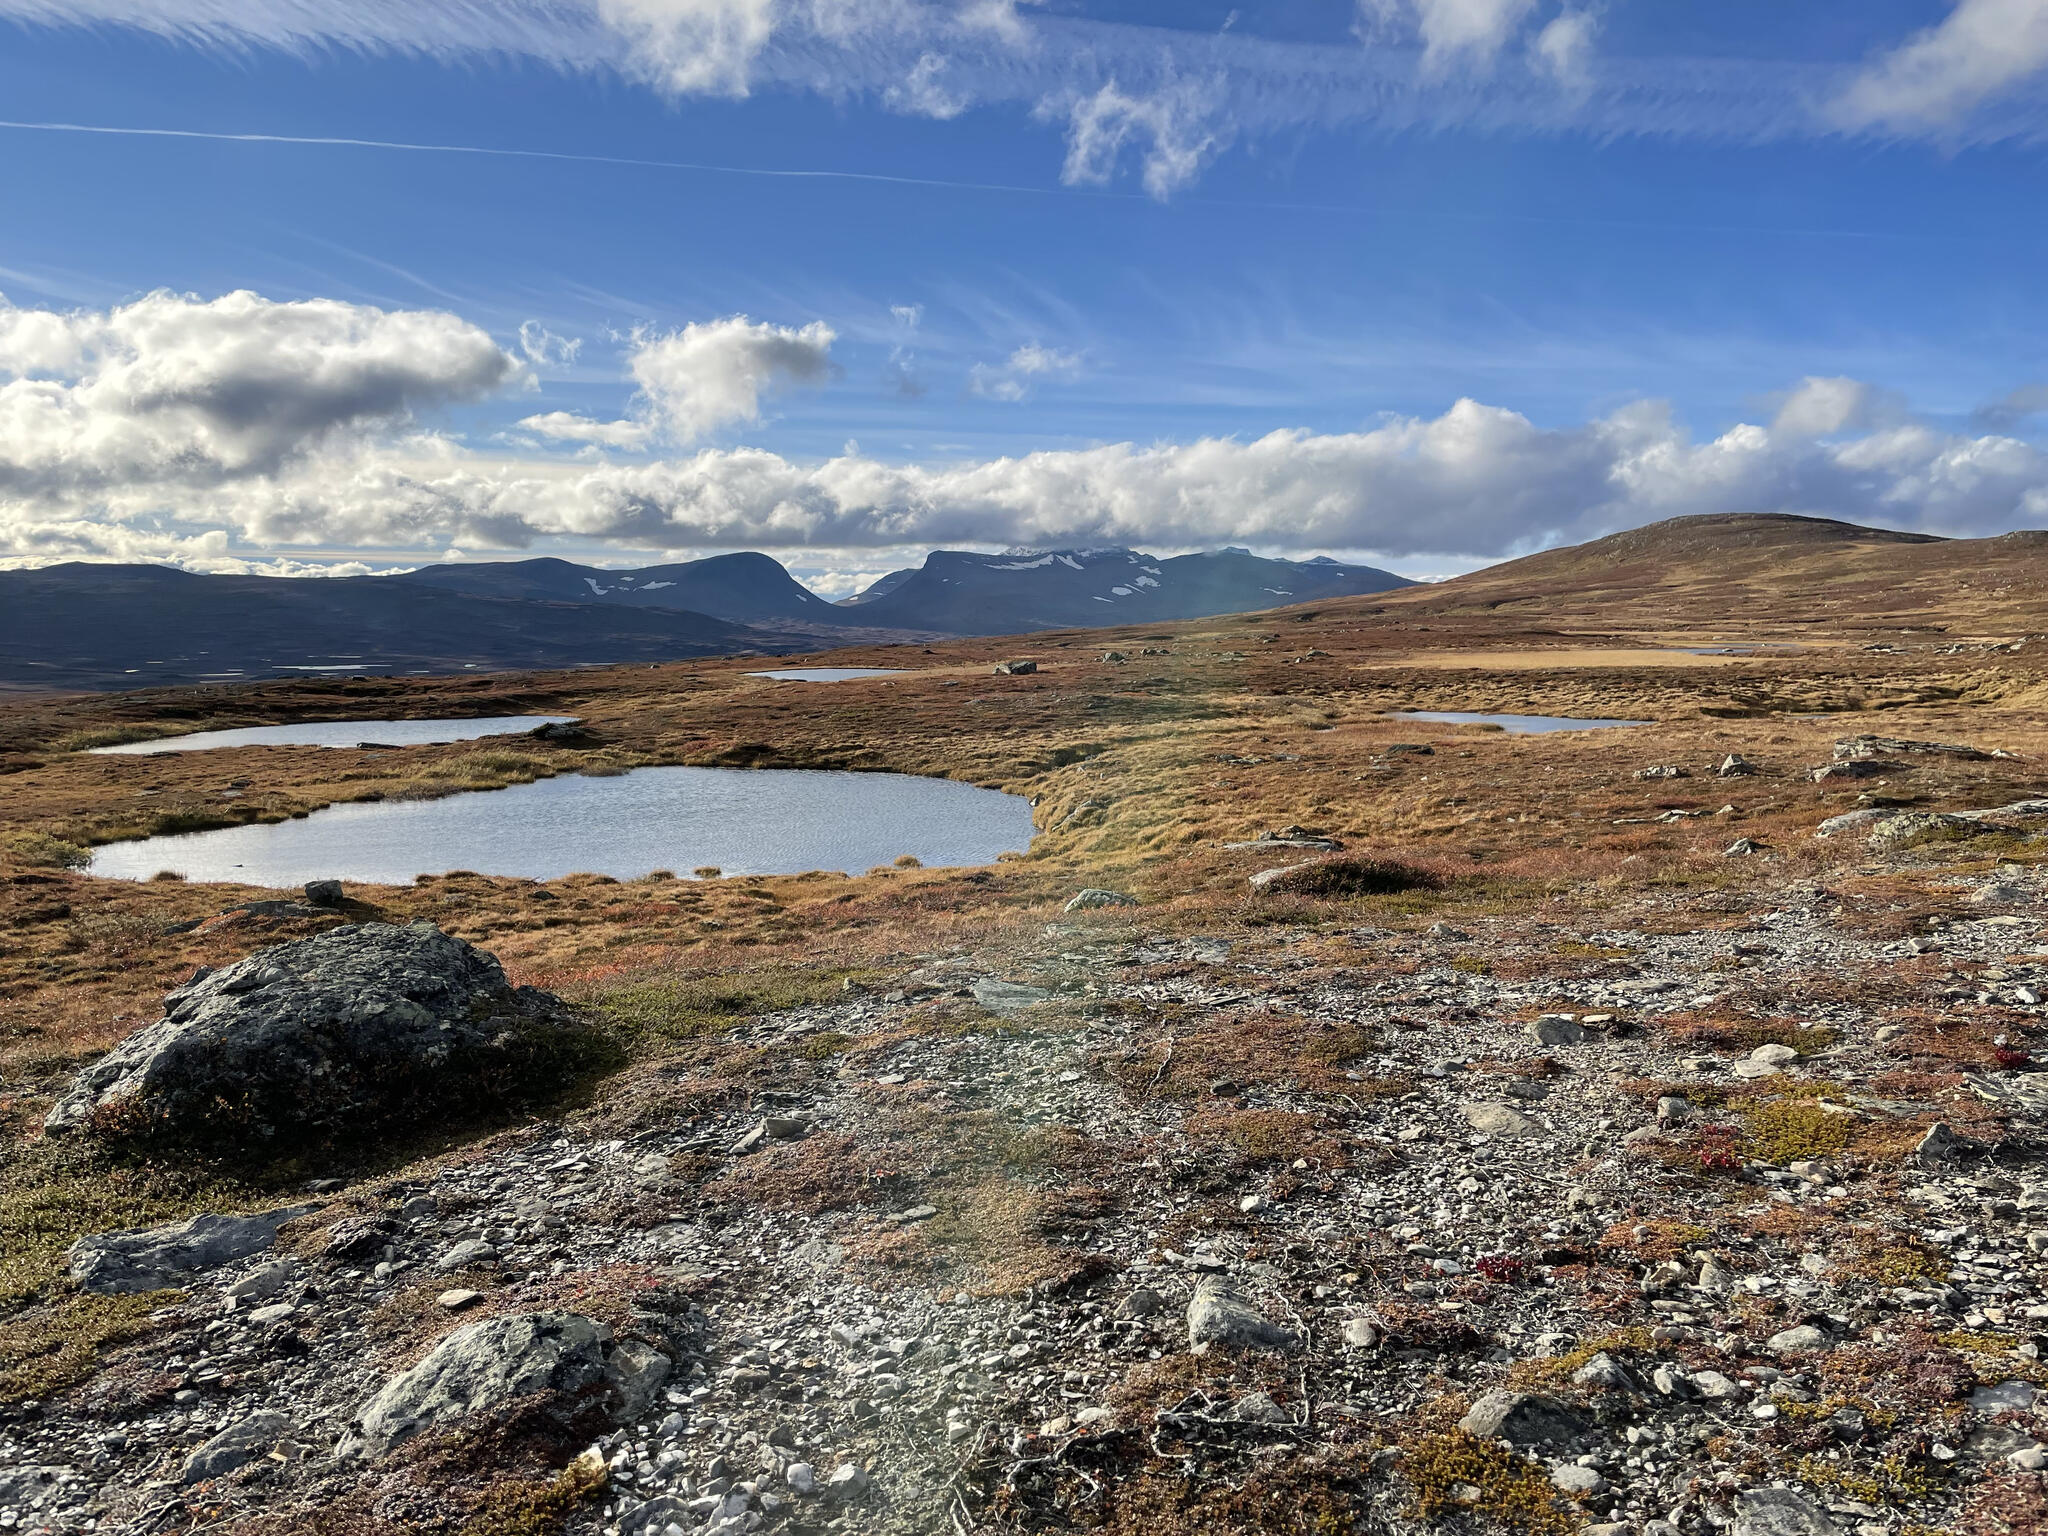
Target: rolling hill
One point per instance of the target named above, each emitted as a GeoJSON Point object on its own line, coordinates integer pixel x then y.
{"type": "Point", "coordinates": [1761, 575]}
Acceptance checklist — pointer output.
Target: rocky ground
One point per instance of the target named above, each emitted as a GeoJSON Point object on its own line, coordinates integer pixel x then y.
{"type": "Point", "coordinates": [1720, 1214]}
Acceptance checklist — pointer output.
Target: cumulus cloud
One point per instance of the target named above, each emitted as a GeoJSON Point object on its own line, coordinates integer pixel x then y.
{"type": "Point", "coordinates": [1476, 481]}
{"type": "Point", "coordinates": [1012, 381]}
{"type": "Point", "coordinates": [173, 389]}
{"type": "Point", "coordinates": [705, 376]}
{"type": "Point", "coordinates": [1174, 130]}
{"type": "Point", "coordinates": [239, 429]}
{"type": "Point", "coordinates": [1938, 77]}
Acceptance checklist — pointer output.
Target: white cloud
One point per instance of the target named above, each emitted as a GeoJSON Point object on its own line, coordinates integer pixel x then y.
{"type": "Point", "coordinates": [1013, 380]}
{"type": "Point", "coordinates": [836, 584]}
{"type": "Point", "coordinates": [1564, 48]}
{"type": "Point", "coordinates": [544, 349]}
{"type": "Point", "coordinates": [245, 430]}
{"type": "Point", "coordinates": [712, 374]}
{"type": "Point", "coordinates": [706, 376]}
{"type": "Point", "coordinates": [1176, 130]}
{"type": "Point", "coordinates": [1475, 481]}
{"type": "Point", "coordinates": [1454, 31]}
{"type": "Point", "coordinates": [1938, 77]}
{"type": "Point", "coordinates": [998, 17]}
{"type": "Point", "coordinates": [921, 93]}
{"type": "Point", "coordinates": [1960, 80]}
{"type": "Point", "coordinates": [1822, 407]}
{"type": "Point", "coordinates": [567, 427]}
{"type": "Point", "coordinates": [172, 389]}
{"type": "Point", "coordinates": [693, 47]}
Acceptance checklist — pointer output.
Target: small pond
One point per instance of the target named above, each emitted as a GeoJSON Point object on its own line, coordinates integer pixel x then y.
{"type": "Point", "coordinates": [827, 674]}
{"type": "Point", "coordinates": [1515, 725]}
{"type": "Point", "coordinates": [745, 821]}
{"type": "Point", "coordinates": [340, 733]}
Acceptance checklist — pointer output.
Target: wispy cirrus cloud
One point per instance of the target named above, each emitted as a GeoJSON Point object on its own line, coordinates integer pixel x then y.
{"type": "Point", "coordinates": [1157, 105]}
{"type": "Point", "coordinates": [1173, 129]}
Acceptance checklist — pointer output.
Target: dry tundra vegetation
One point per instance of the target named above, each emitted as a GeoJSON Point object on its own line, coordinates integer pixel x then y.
{"type": "Point", "coordinates": [1605, 1091]}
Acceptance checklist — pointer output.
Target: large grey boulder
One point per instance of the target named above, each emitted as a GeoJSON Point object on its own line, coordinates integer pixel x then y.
{"type": "Point", "coordinates": [500, 1358]}
{"type": "Point", "coordinates": [331, 1035]}
{"type": "Point", "coordinates": [1218, 1317]}
{"type": "Point", "coordinates": [158, 1258]}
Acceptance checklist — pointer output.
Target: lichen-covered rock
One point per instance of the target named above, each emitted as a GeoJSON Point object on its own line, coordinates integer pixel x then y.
{"type": "Point", "coordinates": [1092, 897]}
{"type": "Point", "coordinates": [485, 1364]}
{"type": "Point", "coordinates": [325, 1037]}
{"type": "Point", "coordinates": [158, 1258]}
{"type": "Point", "coordinates": [1780, 1512]}
{"type": "Point", "coordinates": [234, 1447]}
{"type": "Point", "coordinates": [1522, 1418]}
{"type": "Point", "coordinates": [1219, 1318]}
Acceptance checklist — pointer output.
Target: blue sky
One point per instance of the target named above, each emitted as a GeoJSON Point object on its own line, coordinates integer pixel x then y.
{"type": "Point", "coordinates": [1064, 273]}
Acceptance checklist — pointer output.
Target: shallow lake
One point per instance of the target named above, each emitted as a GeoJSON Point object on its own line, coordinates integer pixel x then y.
{"type": "Point", "coordinates": [1516, 725]}
{"type": "Point", "coordinates": [827, 674]}
{"type": "Point", "coordinates": [340, 733]}
{"type": "Point", "coordinates": [746, 821]}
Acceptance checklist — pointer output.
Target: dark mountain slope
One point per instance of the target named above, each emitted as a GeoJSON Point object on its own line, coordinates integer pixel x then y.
{"type": "Point", "coordinates": [130, 626]}
{"type": "Point", "coordinates": [744, 588]}
{"type": "Point", "coordinates": [972, 594]}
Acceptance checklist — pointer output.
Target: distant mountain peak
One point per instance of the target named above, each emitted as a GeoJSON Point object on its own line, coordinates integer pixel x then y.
{"type": "Point", "coordinates": [1023, 589]}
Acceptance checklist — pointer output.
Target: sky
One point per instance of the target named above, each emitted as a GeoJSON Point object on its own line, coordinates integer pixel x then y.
{"type": "Point", "coordinates": [305, 286]}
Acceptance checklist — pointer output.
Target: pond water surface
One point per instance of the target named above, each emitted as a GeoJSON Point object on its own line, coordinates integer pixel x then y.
{"type": "Point", "coordinates": [743, 820]}
{"type": "Point", "coordinates": [827, 674]}
{"type": "Point", "coordinates": [339, 733]}
{"type": "Point", "coordinates": [1515, 725]}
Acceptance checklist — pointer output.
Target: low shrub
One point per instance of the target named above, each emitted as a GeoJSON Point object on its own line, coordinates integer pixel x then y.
{"type": "Point", "coordinates": [1345, 875]}
{"type": "Point", "coordinates": [39, 850]}
{"type": "Point", "coordinates": [45, 1350]}
{"type": "Point", "coordinates": [1787, 1130]}
{"type": "Point", "coordinates": [1459, 1474]}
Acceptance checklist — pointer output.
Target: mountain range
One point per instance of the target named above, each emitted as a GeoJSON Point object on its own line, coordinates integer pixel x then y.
{"type": "Point", "coordinates": [125, 626]}
{"type": "Point", "coordinates": [960, 593]}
